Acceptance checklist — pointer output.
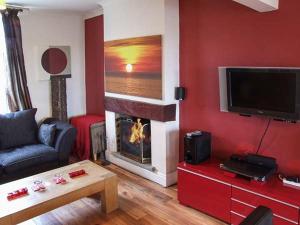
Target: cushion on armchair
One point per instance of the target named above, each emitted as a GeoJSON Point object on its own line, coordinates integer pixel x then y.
{"type": "Point", "coordinates": [47, 134]}
{"type": "Point", "coordinates": [18, 129]}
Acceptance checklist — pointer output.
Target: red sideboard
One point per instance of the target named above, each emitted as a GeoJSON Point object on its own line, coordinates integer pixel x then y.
{"type": "Point", "coordinates": [206, 188]}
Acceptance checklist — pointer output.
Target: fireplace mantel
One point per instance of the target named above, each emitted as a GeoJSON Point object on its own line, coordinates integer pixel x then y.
{"type": "Point", "coordinates": [162, 113]}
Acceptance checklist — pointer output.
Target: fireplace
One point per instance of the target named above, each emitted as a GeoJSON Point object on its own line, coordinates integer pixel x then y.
{"type": "Point", "coordinates": [160, 142]}
{"type": "Point", "coordinates": [134, 136]}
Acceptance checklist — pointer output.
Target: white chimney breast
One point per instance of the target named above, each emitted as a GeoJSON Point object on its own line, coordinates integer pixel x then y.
{"type": "Point", "coordinates": [260, 5]}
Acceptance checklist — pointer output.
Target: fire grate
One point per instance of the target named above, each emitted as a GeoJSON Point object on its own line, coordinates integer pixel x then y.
{"type": "Point", "coordinates": [135, 139]}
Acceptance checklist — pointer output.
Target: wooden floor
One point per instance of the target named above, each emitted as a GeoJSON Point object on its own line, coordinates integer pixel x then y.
{"type": "Point", "coordinates": [141, 203]}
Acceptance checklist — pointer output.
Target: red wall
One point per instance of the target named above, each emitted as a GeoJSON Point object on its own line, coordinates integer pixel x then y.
{"type": "Point", "coordinates": [223, 33]}
{"type": "Point", "coordinates": [94, 65]}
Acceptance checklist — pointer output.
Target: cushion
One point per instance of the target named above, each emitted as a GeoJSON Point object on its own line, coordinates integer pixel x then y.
{"type": "Point", "coordinates": [47, 134]}
{"type": "Point", "coordinates": [18, 159]}
{"type": "Point", "coordinates": [18, 129]}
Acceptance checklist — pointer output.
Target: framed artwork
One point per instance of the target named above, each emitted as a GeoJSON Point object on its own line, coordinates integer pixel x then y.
{"type": "Point", "coordinates": [134, 66]}
{"type": "Point", "coordinates": [53, 61]}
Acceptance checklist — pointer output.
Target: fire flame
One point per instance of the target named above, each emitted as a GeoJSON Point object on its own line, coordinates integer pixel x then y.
{"type": "Point", "coordinates": [137, 132]}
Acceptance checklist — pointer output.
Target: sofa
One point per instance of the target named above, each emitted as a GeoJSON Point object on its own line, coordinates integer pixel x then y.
{"type": "Point", "coordinates": [24, 153]}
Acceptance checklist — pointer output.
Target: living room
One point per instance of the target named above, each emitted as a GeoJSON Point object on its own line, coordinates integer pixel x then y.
{"type": "Point", "coordinates": [82, 79]}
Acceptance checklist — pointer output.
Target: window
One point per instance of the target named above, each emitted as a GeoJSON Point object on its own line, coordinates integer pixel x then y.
{"type": "Point", "coordinates": [3, 72]}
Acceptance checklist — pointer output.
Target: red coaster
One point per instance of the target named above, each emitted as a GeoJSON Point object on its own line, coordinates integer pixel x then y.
{"type": "Point", "coordinates": [77, 173]}
{"type": "Point", "coordinates": [17, 194]}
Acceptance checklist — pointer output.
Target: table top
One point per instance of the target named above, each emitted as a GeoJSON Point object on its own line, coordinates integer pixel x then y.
{"type": "Point", "coordinates": [95, 175]}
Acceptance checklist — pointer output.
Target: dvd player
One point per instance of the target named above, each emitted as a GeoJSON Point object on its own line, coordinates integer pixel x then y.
{"type": "Point", "coordinates": [252, 166]}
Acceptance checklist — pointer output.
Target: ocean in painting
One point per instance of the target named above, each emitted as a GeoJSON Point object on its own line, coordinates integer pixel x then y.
{"type": "Point", "coordinates": [147, 85]}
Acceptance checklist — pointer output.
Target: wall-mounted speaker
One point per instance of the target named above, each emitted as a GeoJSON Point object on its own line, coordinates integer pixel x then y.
{"type": "Point", "coordinates": [180, 93]}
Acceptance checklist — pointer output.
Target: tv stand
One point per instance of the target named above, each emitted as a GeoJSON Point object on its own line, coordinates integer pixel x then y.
{"type": "Point", "coordinates": [205, 187]}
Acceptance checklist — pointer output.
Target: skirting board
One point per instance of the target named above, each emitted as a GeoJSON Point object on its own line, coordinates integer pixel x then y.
{"type": "Point", "coordinates": [165, 180]}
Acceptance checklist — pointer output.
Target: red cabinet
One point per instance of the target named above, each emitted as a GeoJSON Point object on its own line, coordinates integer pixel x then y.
{"type": "Point", "coordinates": [205, 194]}
{"type": "Point", "coordinates": [206, 188]}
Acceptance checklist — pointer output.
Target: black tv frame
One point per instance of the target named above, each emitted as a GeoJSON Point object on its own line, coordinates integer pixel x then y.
{"type": "Point", "coordinates": [273, 114]}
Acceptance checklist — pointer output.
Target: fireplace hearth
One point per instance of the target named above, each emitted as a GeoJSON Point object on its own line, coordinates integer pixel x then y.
{"type": "Point", "coordinates": [135, 138]}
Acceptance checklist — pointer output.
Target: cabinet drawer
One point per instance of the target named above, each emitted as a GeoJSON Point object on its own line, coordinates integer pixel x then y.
{"type": "Point", "coordinates": [205, 194]}
{"type": "Point", "coordinates": [279, 221]}
{"type": "Point", "coordinates": [236, 219]}
{"type": "Point", "coordinates": [279, 208]}
{"type": "Point", "coordinates": [240, 208]}
{"type": "Point", "coordinates": [244, 210]}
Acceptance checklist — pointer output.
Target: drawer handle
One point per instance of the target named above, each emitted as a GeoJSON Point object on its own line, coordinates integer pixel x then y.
{"type": "Point", "coordinates": [283, 218]}
{"type": "Point", "coordinates": [203, 176]}
{"type": "Point", "coordinates": [240, 215]}
{"type": "Point", "coordinates": [244, 203]}
{"type": "Point", "coordinates": [264, 196]}
{"type": "Point", "coordinates": [251, 206]}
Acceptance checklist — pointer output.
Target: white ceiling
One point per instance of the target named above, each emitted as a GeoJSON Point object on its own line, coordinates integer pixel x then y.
{"type": "Point", "coordinates": [71, 5]}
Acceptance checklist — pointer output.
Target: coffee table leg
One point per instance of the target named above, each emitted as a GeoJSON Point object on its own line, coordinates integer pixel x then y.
{"type": "Point", "coordinates": [109, 196]}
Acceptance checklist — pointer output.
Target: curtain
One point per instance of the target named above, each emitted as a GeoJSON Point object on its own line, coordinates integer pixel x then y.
{"type": "Point", "coordinates": [18, 93]}
{"type": "Point", "coordinates": [3, 72]}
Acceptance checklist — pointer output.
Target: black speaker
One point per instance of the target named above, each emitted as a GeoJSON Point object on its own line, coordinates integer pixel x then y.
{"type": "Point", "coordinates": [197, 147]}
{"type": "Point", "coordinates": [179, 93]}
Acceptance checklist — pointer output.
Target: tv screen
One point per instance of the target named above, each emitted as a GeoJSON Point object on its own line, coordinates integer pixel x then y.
{"type": "Point", "coordinates": [271, 92]}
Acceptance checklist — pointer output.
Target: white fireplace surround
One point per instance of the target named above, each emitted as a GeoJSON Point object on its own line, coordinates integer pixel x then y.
{"type": "Point", "coordinates": [164, 151]}
{"type": "Point", "coordinates": [159, 17]}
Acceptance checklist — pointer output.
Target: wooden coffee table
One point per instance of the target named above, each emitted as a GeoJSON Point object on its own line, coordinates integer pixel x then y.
{"type": "Point", "coordinates": [97, 180]}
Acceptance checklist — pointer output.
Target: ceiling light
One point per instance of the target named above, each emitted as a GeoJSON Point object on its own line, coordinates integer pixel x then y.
{"type": "Point", "coordinates": [2, 5]}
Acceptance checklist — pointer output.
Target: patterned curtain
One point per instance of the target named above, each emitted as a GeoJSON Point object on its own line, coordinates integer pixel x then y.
{"type": "Point", "coordinates": [18, 93]}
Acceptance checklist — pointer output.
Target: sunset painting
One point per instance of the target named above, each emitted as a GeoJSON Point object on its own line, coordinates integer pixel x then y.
{"type": "Point", "coordinates": [134, 67]}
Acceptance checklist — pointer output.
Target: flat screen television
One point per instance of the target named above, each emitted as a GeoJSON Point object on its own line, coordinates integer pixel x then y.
{"type": "Point", "coordinates": [272, 92]}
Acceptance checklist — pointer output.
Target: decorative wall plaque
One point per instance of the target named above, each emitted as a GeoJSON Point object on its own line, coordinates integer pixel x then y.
{"type": "Point", "coordinates": [55, 65]}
